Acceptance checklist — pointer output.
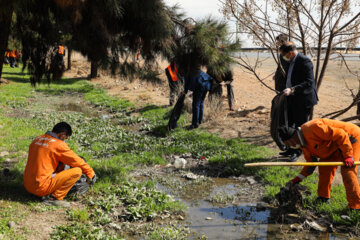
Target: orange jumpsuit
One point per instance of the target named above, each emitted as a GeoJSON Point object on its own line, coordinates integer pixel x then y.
{"type": "Point", "coordinates": [45, 154]}
{"type": "Point", "coordinates": [12, 53]}
{"type": "Point", "coordinates": [333, 141]}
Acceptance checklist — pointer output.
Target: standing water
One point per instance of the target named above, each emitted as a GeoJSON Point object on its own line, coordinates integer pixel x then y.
{"type": "Point", "coordinates": [221, 208]}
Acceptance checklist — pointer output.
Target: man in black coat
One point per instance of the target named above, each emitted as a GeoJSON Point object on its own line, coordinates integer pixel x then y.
{"type": "Point", "coordinates": [279, 102]}
{"type": "Point", "coordinates": [300, 88]}
{"type": "Point", "coordinates": [282, 67]}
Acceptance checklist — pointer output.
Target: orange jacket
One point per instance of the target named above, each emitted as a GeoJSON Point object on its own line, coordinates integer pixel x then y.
{"type": "Point", "coordinates": [7, 54]}
{"type": "Point", "coordinates": [17, 54]}
{"type": "Point", "coordinates": [61, 50]}
{"type": "Point", "coordinates": [329, 140]}
{"type": "Point", "coordinates": [13, 53]}
{"type": "Point", "coordinates": [45, 153]}
{"type": "Point", "coordinates": [174, 73]}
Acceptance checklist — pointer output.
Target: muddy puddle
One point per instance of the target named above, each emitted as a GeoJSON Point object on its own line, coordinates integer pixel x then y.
{"type": "Point", "coordinates": [84, 108]}
{"type": "Point", "coordinates": [222, 208]}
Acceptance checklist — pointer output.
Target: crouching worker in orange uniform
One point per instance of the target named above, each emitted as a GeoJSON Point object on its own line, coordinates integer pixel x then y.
{"type": "Point", "coordinates": [330, 141]}
{"type": "Point", "coordinates": [46, 153]}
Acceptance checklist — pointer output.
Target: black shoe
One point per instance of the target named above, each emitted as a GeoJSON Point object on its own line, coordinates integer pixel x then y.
{"type": "Point", "coordinates": [322, 200]}
{"type": "Point", "coordinates": [192, 127]}
{"type": "Point", "coordinates": [294, 157]}
{"type": "Point", "coordinates": [288, 152]}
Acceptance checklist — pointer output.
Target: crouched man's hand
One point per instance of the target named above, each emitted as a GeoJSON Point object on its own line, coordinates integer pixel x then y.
{"type": "Point", "coordinates": [91, 181]}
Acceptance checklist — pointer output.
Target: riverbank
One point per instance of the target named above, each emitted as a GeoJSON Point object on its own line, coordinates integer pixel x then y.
{"type": "Point", "coordinates": [120, 137]}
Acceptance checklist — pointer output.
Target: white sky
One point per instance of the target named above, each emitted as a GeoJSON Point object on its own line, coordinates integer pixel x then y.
{"type": "Point", "coordinates": [198, 9]}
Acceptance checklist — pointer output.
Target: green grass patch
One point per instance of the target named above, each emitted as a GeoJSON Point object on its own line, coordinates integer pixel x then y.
{"type": "Point", "coordinates": [99, 98]}
{"type": "Point", "coordinates": [82, 232]}
{"type": "Point", "coordinates": [169, 233]}
{"type": "Point", "coordinates": [114, 151]}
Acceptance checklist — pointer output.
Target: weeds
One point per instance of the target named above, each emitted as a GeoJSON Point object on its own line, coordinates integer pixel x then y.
{"type": "Point", "coordinates": [81, 231]}
{"type": "Point", "coordinates": [113, 151]}
{"type": "Point", "coordinates": [169, 233]}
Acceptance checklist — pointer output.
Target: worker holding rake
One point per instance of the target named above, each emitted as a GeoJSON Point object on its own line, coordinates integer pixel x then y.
{"type": "Point", "coordinates": [329, 141]}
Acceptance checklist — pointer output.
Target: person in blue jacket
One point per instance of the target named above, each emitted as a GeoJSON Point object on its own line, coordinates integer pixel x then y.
{"type": "Point", "coordinates": [199, 83]}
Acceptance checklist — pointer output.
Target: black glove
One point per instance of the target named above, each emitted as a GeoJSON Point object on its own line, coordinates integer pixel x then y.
{"type": "Point", "coordinates": [91, 181]}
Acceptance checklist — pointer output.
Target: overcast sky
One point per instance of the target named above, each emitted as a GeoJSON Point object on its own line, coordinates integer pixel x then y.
{"type": "Point", "coordinates": [199, 9]}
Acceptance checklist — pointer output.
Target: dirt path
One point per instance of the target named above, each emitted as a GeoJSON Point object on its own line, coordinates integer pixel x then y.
{"type": "Point", "coordinates": [251, 120]}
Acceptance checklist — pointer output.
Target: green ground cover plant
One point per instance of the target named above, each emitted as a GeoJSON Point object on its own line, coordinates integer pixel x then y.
{"type": "Point", "coordinates": [114, 148]}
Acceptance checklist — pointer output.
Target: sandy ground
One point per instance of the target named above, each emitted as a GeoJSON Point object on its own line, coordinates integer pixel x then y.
{"type": "Point", "coordinates": [251, 120]}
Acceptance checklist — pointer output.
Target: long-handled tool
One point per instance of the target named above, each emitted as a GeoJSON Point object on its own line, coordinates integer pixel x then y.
{"type": "Point", "coordinates": [263, 164]}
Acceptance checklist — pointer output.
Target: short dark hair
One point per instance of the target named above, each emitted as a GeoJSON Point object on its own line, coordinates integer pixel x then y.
{"type": "Point", "coordinates": [287, 47]}
{"type": "Point", "coordinates": [282, 37]}
{"type": "Point", "coordinates": [62, 127]}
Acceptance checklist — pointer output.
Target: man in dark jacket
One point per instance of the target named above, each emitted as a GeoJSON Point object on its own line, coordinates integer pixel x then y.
{"type": "Point", "coordinates": [199, 83]}
{"type": "Point", "coordinates": [278, 103]}
{"type": "Point", "coordinates": [282, 67]}
{"type": "Point", "coordinates": [300, 88]}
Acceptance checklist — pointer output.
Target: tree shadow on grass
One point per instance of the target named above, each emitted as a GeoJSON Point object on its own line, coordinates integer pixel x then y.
{"type": "Point", "coordinates": [18, 79]}
{"type": "Point", "coordinates": [13, 73]}
{"type": "Point", "coordinates": [245, 113]}
{"type": "Point", "coordinates": [258, 140]}
{"type": "Point", "coordinates": [12, 187]}
{"type": "Point", "coordinates": [66, 81]}
{"type": "Point", "coordinates": [21, 77]}
{"type": "Point", "coordinates": [148, 108]}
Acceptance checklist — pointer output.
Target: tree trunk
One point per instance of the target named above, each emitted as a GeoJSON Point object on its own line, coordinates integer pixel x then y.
{"type": "Point", "coordinates": [5, 22]}
{"type": "Point", "coordinates": [69, 59]}
{"type": "Point", "coordinates": [94, 70]}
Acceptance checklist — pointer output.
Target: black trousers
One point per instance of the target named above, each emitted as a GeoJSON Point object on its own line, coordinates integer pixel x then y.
{"type": "Point", "coordinates": [231, 97]}
{"type": "Point", "coordinates": [298, 113]}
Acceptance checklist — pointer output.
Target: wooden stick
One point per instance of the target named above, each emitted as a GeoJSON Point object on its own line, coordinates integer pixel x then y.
{"type": "Point", "coordinates": [271, 164]}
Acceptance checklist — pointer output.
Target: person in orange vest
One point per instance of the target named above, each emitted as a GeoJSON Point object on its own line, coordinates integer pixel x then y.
{"type": "Point", "coordinates": [176, 81]}
{"type": "Point", "coordinates": [43, 175]}
{"type": "Point", "coordinates": [60, 53]}
{"type": "Point", "coordinates": [329, 141]}
{"type": "Point", "coordinates": [12, 58]}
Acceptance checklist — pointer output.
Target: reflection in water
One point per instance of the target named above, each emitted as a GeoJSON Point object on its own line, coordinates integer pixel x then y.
{"type": "Point", "coordinates": [230, 222]}
{"type": "Point", "coordinates": [239, 220]}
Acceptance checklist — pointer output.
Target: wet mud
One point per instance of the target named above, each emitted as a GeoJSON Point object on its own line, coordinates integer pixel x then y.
{"type": "Point", "coordinates": [221, 208]}
{"type": "Point", "coordinates": [231, 207]}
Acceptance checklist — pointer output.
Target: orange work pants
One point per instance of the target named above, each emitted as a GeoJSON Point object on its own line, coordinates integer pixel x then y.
{"type": "Point", "coordinates": [349, 176]}
{"type": "Point", "coordinates": [62, 182]}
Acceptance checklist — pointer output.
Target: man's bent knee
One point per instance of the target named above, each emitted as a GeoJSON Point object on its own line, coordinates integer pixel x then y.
{"type": "Point", "coordinates": [76, 172]}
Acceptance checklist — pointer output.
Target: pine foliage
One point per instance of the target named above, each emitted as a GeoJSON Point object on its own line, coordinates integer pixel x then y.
{"type": "Point", "coordinates": [111, 32]}
{"type": "Point", "coordinates": [205, 44]}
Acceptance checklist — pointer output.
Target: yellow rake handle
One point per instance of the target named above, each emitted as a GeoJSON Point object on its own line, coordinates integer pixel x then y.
{"type": "Point", "coordinates": [271, 164]}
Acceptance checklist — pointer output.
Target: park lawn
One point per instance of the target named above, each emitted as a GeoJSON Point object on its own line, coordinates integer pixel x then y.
{"type": "Point", "coordinates": [114, 151]}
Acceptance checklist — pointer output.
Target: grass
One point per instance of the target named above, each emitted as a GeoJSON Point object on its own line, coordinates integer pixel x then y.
{"type": "Point", "coordinates": [114, 149]}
